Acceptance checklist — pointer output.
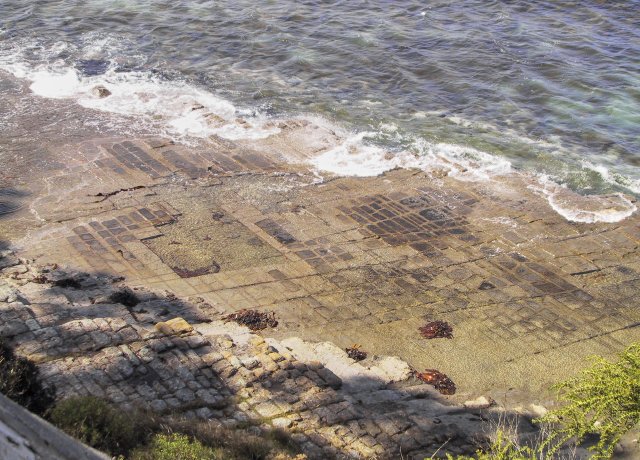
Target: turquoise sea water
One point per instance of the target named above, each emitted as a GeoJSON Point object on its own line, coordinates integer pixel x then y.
{"type": "Point", "coordinates": [551, 86]}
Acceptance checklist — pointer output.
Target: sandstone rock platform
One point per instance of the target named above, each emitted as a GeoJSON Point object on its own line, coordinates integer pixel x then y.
{"type": "Point", "coordinates": [351, 260]}
{"type": "Point", "coordinates": [219, 226]}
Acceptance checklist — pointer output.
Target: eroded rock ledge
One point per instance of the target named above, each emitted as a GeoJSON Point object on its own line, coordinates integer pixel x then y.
{"type": "Point", "coordinates": [135, 352]}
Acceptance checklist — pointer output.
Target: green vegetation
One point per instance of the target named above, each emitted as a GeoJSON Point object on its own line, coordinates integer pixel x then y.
{"type": "Point", "coordinates": [140, 435]}
{"type": "Point", "coordinates": [603, 399]}
{"type": "Point", "coordinates": [176, 446]}
{"type": "Point", "coordinates": [99, 424]}
{"type": "Point", "coordinates": [20, 381]}
{"type": "Point", "coordinates": [502, 448]}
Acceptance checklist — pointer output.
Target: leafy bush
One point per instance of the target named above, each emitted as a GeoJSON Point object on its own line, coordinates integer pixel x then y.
{"type": "Point", "coordinates": [603, 399]}
{"type": "Point", "coordinates": [99, 424]}
{"type": "Point", "coordinates": [20, 381]}
{"type": "Point", "coordinates": [176, 447]}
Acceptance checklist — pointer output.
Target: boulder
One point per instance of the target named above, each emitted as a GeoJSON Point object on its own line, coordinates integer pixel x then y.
{"type": "Point", "coordinates": [174, 326]}
{"type": "Point", "coordinates": [8, 260]}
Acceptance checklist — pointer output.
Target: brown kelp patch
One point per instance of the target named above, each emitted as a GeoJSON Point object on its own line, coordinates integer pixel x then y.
{"type": "Point", "coordinates": [436, 330]}
{"type": "Point", "coordinates": [354, 352]}
{"type": "Point", "coordinates": [253, 319]}
{"type": "Point", "coordinates": [440, 381]}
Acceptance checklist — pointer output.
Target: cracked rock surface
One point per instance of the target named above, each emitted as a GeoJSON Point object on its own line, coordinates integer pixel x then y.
{"type": "Point", "coordinates": [223, 373]}
{"type": "Point", "coordinates": [203, 231]}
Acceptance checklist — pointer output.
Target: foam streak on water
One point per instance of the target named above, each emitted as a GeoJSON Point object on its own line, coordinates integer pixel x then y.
{"type": "Point", "coordinates": [183, 110]}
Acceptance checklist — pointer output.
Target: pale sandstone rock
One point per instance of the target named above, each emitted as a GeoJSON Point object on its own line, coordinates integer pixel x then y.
{"type": "Point", "coordinates": [481, 402]}
{"type": "Point", "coordinates": [391, 368]}
{"type": "Point", "coordinates": [538, 410]}
{"type": "Point", "coordinates": [250, 362]}
{"type": "Point", "coordinates": [291, 392]}
{"type": "Point", "coordinates": [268, 409]}
{"type": "Point", "coordinates": [174, 326]}
{"type": "Point", "coordinates": [282, 422]}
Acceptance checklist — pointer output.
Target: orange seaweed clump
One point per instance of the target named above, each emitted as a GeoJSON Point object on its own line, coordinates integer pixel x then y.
{"type": "Point", "coordinates": [253, 319]}
{"type": "Point", "coordinates": [440, 381]}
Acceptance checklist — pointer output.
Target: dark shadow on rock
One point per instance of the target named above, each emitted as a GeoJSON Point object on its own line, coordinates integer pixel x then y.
{"type": "Point", "coordinates": [158, 353]}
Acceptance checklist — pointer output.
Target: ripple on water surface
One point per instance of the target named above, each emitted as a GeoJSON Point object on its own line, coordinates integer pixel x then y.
{"type": "Point", "coordinates": [545, 87]}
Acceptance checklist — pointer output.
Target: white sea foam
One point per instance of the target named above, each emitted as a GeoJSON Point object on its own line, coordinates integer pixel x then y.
{"type": "Point", "coordinates": [614, 178]}
{"type": "Point", "coordinates": [465, 163]}
{"type": "Point", "coordinates": [586, 209]}
{"type": "Point", "coordinates": [181, 109]}
{"type": "Point", "coordinates": [357, 157]}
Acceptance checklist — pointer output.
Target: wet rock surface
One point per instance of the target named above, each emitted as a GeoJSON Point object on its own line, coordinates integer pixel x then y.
{"type": "Point", "coordinates": [351, 260]}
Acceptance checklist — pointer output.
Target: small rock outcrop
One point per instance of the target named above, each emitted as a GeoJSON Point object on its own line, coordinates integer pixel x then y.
{"type": "Point", "coordinates": [100, 92]}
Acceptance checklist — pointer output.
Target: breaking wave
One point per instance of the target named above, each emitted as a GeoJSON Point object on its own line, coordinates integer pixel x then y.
{"type": "Point", "coordinates": [180, 108]}
{"type": "Point", "coordinates": [585, 209]}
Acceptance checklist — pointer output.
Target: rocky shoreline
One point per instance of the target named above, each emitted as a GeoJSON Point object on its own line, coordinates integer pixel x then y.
{"type": "Point", "coordinates": [230, 225]}
{"type": "Point", "coordinates": [162, 353]}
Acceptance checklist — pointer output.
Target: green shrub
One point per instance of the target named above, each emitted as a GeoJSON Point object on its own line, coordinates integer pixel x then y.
{"type": "Point", "coordinates": [20, 381]}
{"type": "Point", "coordinates": [603, 399]}
{"type": "Point", "coordinates": [140, 435]}
{"type": "Point", "coordinates": [98, 424]}
{"type": "Point", "coordinates": [176, 447]}
{"type": "Point", "coordinates": [501, 448]}
{"type": "Point", "coordinates": [237, 444]}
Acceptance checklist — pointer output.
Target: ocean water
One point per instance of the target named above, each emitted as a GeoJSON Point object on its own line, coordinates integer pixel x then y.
{"type": "Point", "coordinates": [483, 88]}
